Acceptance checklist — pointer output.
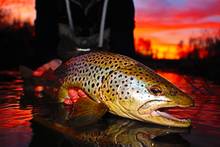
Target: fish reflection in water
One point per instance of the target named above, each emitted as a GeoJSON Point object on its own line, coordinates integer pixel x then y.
{"type": "Point", "coordinates": [109, 131]}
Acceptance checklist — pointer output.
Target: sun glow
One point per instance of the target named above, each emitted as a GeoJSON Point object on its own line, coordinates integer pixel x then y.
{"type": "Point", "coordinates": [17, 12]}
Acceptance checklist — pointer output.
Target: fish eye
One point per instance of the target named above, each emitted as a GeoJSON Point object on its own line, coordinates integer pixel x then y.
{"type": "Point", "coordinates": [155, 90]}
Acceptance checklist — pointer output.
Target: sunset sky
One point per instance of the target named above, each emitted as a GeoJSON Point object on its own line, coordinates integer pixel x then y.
{"type": "Point", "coordinates": [21, 10]}
{"type": "Point", "coordinates": [162, 22]}
{"type": "Point", "coordinates": [166, 22]}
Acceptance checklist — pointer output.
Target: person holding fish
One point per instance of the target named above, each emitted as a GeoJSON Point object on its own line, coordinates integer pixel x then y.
{"type": "Point", "coordinates": [120, 84]}
{"type": "Point", "coordinates": [117, 84]}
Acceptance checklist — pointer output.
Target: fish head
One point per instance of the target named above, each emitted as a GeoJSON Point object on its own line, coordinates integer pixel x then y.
{"type": "Point", "coordinates": [139, 93]}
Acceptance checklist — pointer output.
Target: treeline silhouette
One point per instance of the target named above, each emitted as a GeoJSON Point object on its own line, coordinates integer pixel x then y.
{"type": "Point", "coordinates": [199, 48]}
{"type": "Point", "coordinates": [16, 46]}
{"type": "Point", "coordinates": [201, 58]}
{"type": "Point", "coordinates": [208, 46]}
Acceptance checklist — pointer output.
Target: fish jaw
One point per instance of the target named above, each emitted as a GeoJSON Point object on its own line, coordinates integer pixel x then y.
{"type": "Point", "coordinates": [150, 112]}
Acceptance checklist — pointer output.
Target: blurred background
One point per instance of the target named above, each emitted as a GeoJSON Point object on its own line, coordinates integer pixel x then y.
{"type": "Point", "coordinates": [168, 34]}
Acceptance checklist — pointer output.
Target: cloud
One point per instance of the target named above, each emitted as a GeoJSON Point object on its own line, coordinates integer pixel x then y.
{"type": "Point", "coordinates": [172, 10]}
{"type": "Point", "coordinates": [154, 16]}
{"type": "Point", "coordinates": [167, 22]}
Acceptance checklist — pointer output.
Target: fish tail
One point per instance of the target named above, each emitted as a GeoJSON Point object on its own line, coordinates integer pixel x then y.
{"type": "Point", "coordinates": [43, 77]}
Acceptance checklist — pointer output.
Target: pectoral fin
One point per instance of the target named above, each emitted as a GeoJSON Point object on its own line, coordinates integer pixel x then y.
{"type": "Point", "coordinates": [86, 111]}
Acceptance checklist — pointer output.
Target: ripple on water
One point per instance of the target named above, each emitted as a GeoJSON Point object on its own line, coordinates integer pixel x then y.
{"type": "Point", "coordinates": [206, 113]}
{"type": "Point", "coordinates": [15, 127]}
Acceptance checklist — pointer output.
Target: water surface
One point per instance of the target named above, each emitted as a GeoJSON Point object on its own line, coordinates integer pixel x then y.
{"type": "Point", "coordinates": [17, 109]}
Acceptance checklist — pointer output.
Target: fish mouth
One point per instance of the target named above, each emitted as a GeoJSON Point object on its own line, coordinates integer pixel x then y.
{"type": "Point", "coordinates": [158, 111]}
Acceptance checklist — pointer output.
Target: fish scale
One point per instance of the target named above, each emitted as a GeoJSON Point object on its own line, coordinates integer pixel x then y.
{"type": "Point", "coordinates": [127, 87]}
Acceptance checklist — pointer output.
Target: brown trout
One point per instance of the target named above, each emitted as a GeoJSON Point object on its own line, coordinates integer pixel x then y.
{"type": "Point", "coordinates": [125, 86]}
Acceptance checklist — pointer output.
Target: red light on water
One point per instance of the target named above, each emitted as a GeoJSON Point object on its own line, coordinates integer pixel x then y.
{"type": "Point", "coordinates": [38, 88]}
{"type": "Point", "coordinates": [15, 117]}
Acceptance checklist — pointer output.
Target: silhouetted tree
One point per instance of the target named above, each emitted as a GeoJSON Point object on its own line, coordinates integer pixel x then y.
{"type": "Point", "coordinates": [144, 47]}
{"type": "Point", "coordinates": [180, 48]}
{"type": "Point", "coordinates": [209, 45]}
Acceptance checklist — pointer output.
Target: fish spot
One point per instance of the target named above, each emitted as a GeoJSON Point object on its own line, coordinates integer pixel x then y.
{"type": "Point", "coordinates": [103, 77]}
{"type": "Point", "coordinates": [97, 84]}
{"type": "Point", "coordinates": [110, 72]}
